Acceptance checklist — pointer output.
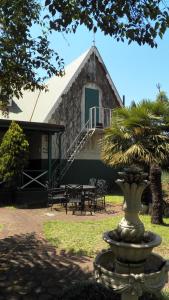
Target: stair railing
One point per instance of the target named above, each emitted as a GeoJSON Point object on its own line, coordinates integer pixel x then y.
{"type": "Point", "coordinates": [84, 129]}
{"type": "Point", "coordinates": [100, 116]}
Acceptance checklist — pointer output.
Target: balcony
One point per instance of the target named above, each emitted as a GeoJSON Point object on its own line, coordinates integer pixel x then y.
{"type": "Point", "coordinates": [100, 117]}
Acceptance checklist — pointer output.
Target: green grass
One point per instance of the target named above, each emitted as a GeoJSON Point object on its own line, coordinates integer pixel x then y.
{"type": "Point", "coordinates": [165, 177]}
{"type": "Point", "coordinates": [11, 207]}
{"type": "Point", "coordinates": [165, 295]}
{"type": "Point", "coordinates": [85, 238]}
{"type": "Point", "coordinates": [114, 199]}
{"type": "Point", "coordinates": [79, 237]}
{"type": "Point", "coordinates": [1, 227]}
{"type": "Point", "coordinates": [163, 249]}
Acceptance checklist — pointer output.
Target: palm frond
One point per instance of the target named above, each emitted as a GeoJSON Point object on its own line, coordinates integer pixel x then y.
{"type": "Point", "coordinates": [137, 134]}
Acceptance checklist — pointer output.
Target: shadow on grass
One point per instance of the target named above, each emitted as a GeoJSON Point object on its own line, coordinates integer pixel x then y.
{"type": "Point", "coordinates": [30, 269]}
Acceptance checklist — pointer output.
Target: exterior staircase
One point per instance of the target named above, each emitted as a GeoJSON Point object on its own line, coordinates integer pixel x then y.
{"type": "Point", "coordinates": [77, 145]}
{"type": "Point", "coordinates": [104, 120]}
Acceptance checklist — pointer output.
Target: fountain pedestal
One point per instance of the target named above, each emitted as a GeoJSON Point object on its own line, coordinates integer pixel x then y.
{"type": "Point", "coordinates": [128, 266]}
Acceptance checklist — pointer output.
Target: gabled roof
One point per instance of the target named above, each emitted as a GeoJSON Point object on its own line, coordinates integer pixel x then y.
{"type": "Point", "coordinates": [38, 106]}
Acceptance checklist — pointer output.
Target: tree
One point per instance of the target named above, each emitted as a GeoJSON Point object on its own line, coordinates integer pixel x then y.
{"type": "Point", "coordinates": [13, 154]}
{"type": "Point", "coordinates": [140, 21]}
{"type": "Point", "coordinates": [162, 96]}
{"type": "Point", "coordinates": [22, 55]}
{"type": "Point", "coordinates": [138, 135]}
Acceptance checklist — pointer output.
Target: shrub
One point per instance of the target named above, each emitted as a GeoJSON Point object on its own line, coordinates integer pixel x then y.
{"type": "Point", "coordinates": [13, 153]}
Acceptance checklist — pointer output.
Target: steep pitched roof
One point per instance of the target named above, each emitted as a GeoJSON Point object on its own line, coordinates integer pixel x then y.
{"type": "Point", "coordinates": [38, 106]}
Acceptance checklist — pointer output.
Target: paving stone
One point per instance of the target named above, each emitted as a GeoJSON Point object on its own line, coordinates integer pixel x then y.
{"type": "Point", "coordinates": [39, 290]}
{"type": "Point", "coordinates": [14, 297]}
{"type": "Point", "coordinates": [29, 297]}
{"type": "Point", "coordinates": [49, 283]}
{"type": "Point", "coordinates": [45, 297]}
{"type": "Point", "coordinates": [3, 277]}
{"type": "Point", "coordinates": [53, 291]}
{"type": "Point", "coordinates": [4, 284]}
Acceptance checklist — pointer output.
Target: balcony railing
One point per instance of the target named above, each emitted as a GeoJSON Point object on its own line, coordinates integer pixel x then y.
{"type": "Point", "coordinates": [100, 117]}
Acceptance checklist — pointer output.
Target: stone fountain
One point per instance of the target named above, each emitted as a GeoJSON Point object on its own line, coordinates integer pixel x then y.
{"type": "Point", "coordinates": [129, 266]}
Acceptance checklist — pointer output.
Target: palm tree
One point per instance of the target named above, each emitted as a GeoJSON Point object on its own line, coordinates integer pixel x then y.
{"type": "Point", "coordinates": [138, 135]}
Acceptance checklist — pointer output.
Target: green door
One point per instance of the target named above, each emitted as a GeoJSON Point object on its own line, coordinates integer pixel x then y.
{"type": "Point", "coordinates": [91, 100]}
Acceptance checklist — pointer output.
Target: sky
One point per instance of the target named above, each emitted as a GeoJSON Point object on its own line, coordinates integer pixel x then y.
{"type": "Point", "coordinates": [135, 70]}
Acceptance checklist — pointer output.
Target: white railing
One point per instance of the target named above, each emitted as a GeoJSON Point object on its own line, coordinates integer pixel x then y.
{"type": "Point", "coordinates": [84, 129]}
{"type": "Point", "coordinates": [100, 117]}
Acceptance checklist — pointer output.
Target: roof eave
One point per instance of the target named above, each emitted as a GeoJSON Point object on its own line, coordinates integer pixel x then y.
{"type": "Point", "coordinates": [34, 126]}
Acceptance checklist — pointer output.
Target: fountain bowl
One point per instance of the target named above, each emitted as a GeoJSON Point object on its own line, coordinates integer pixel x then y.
{"type": "Point", "coordinates": [152, 280]}
{"type": "Point", "coordinates": [132, 252]}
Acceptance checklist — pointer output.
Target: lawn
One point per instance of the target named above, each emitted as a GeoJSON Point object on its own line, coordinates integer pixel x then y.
{"type": "Point", "coordinates": [114, 199]}
{"type": "Point", "coordinates": [85, 238]}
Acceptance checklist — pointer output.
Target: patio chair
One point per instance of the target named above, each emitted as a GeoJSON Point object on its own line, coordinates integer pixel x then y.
{"type": "Point", "coordinates": [92, 181]}
{"type": "Point", "coordinates": [75, 197]}
{"type": "Point", "coordinates": [90, 193]}
{"type": "Point", "coordinates": [101, 191]}
{"type": "Point", "coordinates": [57, 196]}
{"type": "Point", "coordinates": [101, 186]}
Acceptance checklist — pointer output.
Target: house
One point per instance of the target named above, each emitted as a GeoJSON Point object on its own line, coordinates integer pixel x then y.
{"type": "Point", "coordinates": [81, 101]}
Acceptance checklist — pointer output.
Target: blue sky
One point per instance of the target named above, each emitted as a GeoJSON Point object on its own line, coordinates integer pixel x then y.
{"type": "Point", "coordinates": [135, 70]}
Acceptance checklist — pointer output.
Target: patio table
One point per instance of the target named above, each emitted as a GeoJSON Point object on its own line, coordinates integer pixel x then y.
{"type": "Point", "coordinates": [86, 187]}
{"type": "Point", "coordinates": [87, 190]}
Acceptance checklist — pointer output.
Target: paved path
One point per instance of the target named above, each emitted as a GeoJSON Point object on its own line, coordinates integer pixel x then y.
{"type": "Point", "coordinates": [23, 221]}
{"type": "Point", "coordinates": [31, 270]}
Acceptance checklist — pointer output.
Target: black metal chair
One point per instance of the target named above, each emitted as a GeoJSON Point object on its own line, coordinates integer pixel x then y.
{"type": "Point", "coordinates": [75, 197]}
{"type": "Point", "coordinates": [57, 196]}
{"type": "Point", "coordinates": [98, 195]}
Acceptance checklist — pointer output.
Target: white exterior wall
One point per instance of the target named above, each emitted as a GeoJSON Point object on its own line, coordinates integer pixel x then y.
{"type": "Point", "coordinates": [92, 148]}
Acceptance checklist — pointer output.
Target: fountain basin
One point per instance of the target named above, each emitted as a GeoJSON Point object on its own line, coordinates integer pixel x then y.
{"type": "Point", "coordinates": [132, 252]}
{"type": "Point", "coordinates": [152, 280]}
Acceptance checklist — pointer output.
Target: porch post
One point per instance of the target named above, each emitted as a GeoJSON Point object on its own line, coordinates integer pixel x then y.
{"type": "Point", "coordinates": [60, 157]}
{"type": "Point", "coordinates": [49, 157]}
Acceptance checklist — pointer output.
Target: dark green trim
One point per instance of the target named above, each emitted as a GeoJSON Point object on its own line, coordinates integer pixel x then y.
{"type": "Point", "coordinates": [82, 170]}
{"type": "Point", "coordinates": [49, 157]}
{"type": "Point", "coordinates": [60, 155]}
{"type": "Point", "coordinates": [34, 126]}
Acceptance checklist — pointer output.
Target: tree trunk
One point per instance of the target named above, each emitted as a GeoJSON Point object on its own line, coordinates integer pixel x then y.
{"type": "Point", "coordinates": [157, 198]}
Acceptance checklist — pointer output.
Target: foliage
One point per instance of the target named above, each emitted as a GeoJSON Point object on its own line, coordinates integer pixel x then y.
{"type": "Point", "coordinates": [140, 21]}
{"type": "Point", "coordinates": [162, 96]}
{"type": "Point", "coordinates": [22, 54]}
{"type": "Point", "coordinates": [138, 135]}
{"type": "Point", "coordinates": [13, 153]}
{"type": "Point", "coordinates": [85, 237]}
